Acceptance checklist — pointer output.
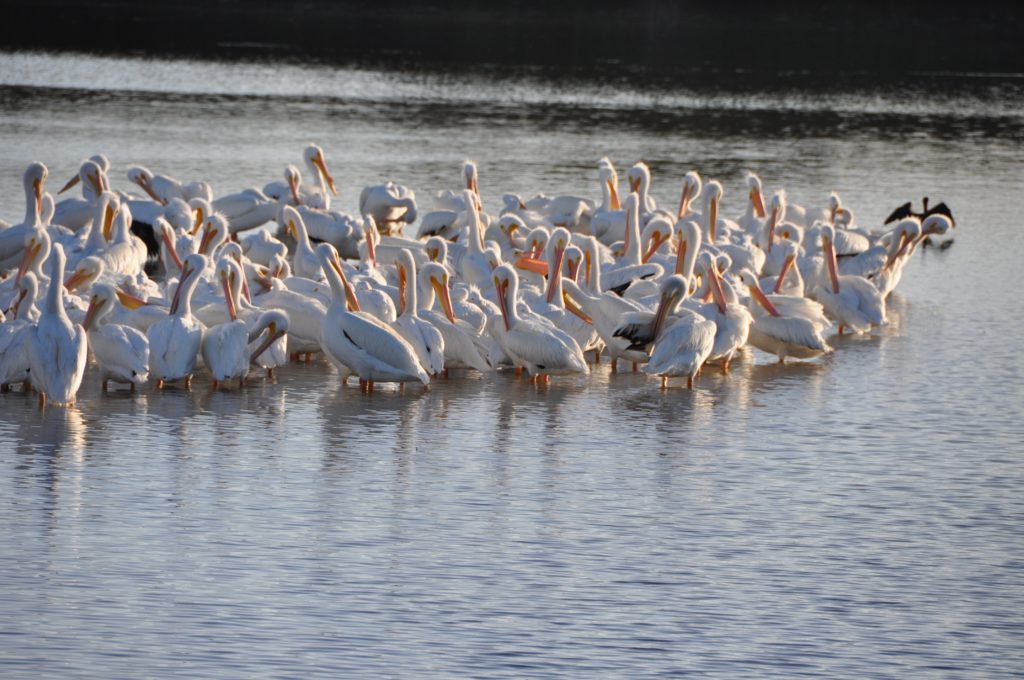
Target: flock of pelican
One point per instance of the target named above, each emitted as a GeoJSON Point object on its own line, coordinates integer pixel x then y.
{"type": "Point", "coordinates": [166, 282]}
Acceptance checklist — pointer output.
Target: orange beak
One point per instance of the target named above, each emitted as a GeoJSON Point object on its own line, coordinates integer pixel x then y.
{"type": "Point", "coordinates": [502, 302]}
{"type": "Point", "coordinates": [75, 279]}
{"type": "Point", "coordinates": [322, 167]}
{"type": "Point", "coordinates": [786, 266]}
{"type": "Point", "coordinates": [401, 289]}
{"type": "Point", "coordinates": [616, 204]}
{"type": "Point", "coordinates": [531, 264]}
{"type": "Point", "coordinates": [71, 183]}
{"type": "Point", "coordinates": [757, 200]}
{"type": "Point", "coordinates": [94, 304]}
{"type": "Point", "coordinates": [31, 252]}
{"type": "Point", "coordinates": [128, 300]}
{"type": "Point", "coordinates": [169, 244]}
{"type": "Point", "coordinates": [445, 297]}
{"type": "Point", "coordinates": [763, 299]}
{"type": "Point", "coordinates": [684, 201]}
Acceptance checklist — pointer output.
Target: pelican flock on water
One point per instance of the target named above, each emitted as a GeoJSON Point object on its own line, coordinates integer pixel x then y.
{"type": "Point", "coordinates": [173, 282]}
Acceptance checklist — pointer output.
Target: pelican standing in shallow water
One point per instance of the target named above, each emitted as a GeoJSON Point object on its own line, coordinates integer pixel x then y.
{"type": "Point", "coordinates": [58, 349]}
{"type": "Point", "coordinates": [174, 341]}
{"type": "Point", "coordinates": [354, 339]}
{"type": "Point", "coordinates": [537, 346]}
{"type": "Point", "coordinates": [122, 352]}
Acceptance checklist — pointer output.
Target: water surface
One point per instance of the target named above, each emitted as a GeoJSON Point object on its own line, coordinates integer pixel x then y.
{"type": "Point", "coordinates": [854, 516]}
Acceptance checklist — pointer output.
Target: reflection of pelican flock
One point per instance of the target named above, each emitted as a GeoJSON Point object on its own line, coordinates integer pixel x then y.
{"type": "Point", "coordinates": [159, 286]}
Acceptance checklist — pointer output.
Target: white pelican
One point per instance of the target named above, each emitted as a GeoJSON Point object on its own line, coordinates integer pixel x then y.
{"type": "Point", "coordinates": [474, 266]}
{"type": "Point", "coordinates": [538, 347]}
{"type": "Point", "coordinates": [273, 326]}
{"type": "Point", "coordinates": [621, 274]}
{"type": "Point", "coordinates": [681, 348]}
{"type": "Point", "coordinates": [225, 346]}
{"type": "Point", "coordinates": [608, 222]}
{"type": "Point", "coordinates": [12, 239]}
{"type": "Point", "coordinates": [122, 352]}
{"type": "Point", "coordinates": [359, 341]}
{"type": "Point", "coordinates": [261, 247]}
{"type": "Point", "coordinates": [76, 213]}
{"type": "Point", "coordinates": [248, 209]}
{"type": "Point", "coordinates": [390, 205]}
{"type": "Point", "coordinates": [174, 341]}
{"type": "Point", "coordinates": [15, 333]}
{"type": "Point", "coordinates": [463, 345]}
{"type": "Point", "coordinates": [305, 262]}
{"type": "Point", "coordinates": [750, 220]}
{"type": "Point", "coordinates": [422, 336]}
{"type": "Point", "coordinates": [732, 320]}
{"type": "Point", "coordinates": [781, 334]}
{"type": "Point", "coordinates": [126, 253]}
{"type": "Point", "coordinates": [853, 300]}
{"type": "Point", "coordinates": [305, 317]}
{"type": "Point", "coordinates": [57, 349]}
{"type": "Point", "coordinates": [639, 177]}
{"type": "Point", "coordinates": [313, 196]}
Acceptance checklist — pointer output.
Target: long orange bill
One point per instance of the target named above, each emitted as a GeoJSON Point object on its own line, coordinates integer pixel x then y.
{"type": "Point", "coordinates": [229, 298]}
{"type": "Point", "coordinates": [273, 333]}
{"type": "Point", "coordinates": [684, 201]}
{"type": "Point", "coordinates": [71, 183]}
{"type": "Point", "coordinates": [75, 279]}
{"type": "Point", "coordinates": [37, 186]}
{"type": "Point", "coordinates": [169, 244]}
{"type": "Point", "coordinates": [555, 274]}
{"type": "Point", "coordinates": [207, 237]}
{"type": "Point", "coordinates": [574, 308]}
{"type": "Point", "coordinates": [128, 300]}
{"type": "Point", "coordinates": [713, 221]}
{"type": "Point", "coordinates": [177, 291]}
{"type": "Point", "coordinates": [293, 185]}
{"type": "Point", "coordinates": [830, 258]}
{"type": "Point", "coordinates": [771, 228]}
{"type": "Point", "coordinates": [786, 266]}
{"type": "Point", "coordinates": [532, 264]}
{"type": "Point", "coordinates": [502, 302]}
{"type": "Point", "coordinates": [26, 260]}
{"type": "Point", "coordinates": [655, 244]}
{"type": "Point", "coordinates": [716, 288]}
{"type": "Point", "coordinates": [350, 294]}
{"type": "Point", "coordinates": [616, 204]}
{"type": "Point", "coordinates": [445, 297]}
{"type": "Point", "coordinates": [17, 304]}
{"type": "Point", "coordinates": [401, 289]}
{"type": "Point", "coordinates": [757, 200]}
{"type": "Point", "coordinates": [149, 190]}
{"type": "Point", "coordinates": [323, 168]}
{"type": "Point", "coordinates": [763, 299]}
{"type": "Point", "coordinates": [90, 313]}
{"type": "Point", "coordinates": [681, 254]}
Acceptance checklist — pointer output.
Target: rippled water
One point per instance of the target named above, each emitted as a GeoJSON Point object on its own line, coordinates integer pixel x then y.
{"type": "Point", "coordinates": [855, 516]}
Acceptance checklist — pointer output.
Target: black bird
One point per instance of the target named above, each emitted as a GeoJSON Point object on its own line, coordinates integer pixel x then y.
{"type": "Point", "coordinates": [906, 210]}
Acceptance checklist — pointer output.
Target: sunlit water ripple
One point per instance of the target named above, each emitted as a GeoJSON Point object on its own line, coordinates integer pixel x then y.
{"type": "Point", "coordinates": [855, 516]}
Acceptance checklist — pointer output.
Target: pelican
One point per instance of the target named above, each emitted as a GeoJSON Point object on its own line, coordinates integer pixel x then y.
{"type": "Point", "coordinates": [122, 352]}
{"type": "Point", "coordinates": [305, 263]}
{"type": "Point", "coordinates": [539, 347]}
{"type": "Point", "coordinates": [853, 300]}
{"type": "Point", "coordinates": [174, 342]}
{"type": "Point", "coordinates": [248, 209]}
{"type": "Point", "coordinates": [12, 239]}
{"type": "Point", "coordinates": [359, 341]}
{"type": "Point", "coordinates": [15, 333]}
{"type": "Point", "coordinates": [313, 196]}
{"type": "Point", "coordinates": [225, 346]}
{"type": "Point", "coordinates": [639, 177]}
{"type": "Point", "coordinates": [57, 349]}
{"type": "Point", "coordinates": [732, 320]}
{"type": "Point", "coordinates": [261, 247]}
{"type": "Point", "coordinates": [779, 334]}
{"type": "Point", "coordinates": [422, 336]}
{"type": "Point", "coordinates": [126, 253]}
{"type": "Point", "coordinates": [474, 266]}
{"type": "Point", "coordinates": [682, 348]}
{"type": "Point", "coordinates": [750, 220]}
{"type": "Point", "coordinates": [76, 213]}
{"type": "Point", "coordinates": [390, 205]}
{"type": "Point", "coordinates": [620, 275]}
{"type": "Point", "coordinates": [608, 222]}
{"type": "Point", "coordinates": [463, 345]}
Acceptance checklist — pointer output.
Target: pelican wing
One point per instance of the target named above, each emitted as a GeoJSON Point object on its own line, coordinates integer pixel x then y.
{"type": "Point", "coordinates": [792, 330]}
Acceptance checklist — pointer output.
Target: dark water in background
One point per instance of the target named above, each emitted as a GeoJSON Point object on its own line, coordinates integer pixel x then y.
{"type": "Point", "coordinates": [855, 516]}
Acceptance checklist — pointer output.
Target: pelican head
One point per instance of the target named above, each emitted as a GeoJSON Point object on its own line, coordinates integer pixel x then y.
{"type": "Point", "coordinates": [639, 177]}
{"type": "Point", "coordinates": [88, 270]}
{"type": "Point", "coordinates": [314, 156]}
{"type": "Point", "coordinates": [37, 250]}
{"type": "Point", "coordinates": [436, 248]}
{"type": "Point", "coordinates": [657, 232]}
{"type": "Point", "coordinates": [755, 193]}
{"type": "Point", "coordinates": [33, 181]}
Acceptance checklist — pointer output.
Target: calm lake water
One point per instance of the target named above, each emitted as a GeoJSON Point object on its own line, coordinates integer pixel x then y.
{"type": "Point", "coordinates": [856, 516]}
